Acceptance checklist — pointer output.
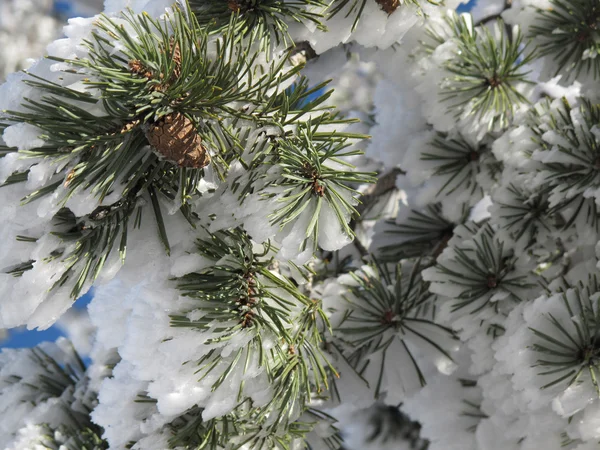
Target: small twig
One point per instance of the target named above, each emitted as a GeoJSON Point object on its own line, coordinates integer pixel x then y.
{"type": "Point", "coordinates": [484, 20]}
{"type": "Point", "coordinates": [385, 184]}
{"type": "Point", "coordinates": [302, 52]}
{"type": "Point", "coordinates": [360, 247]}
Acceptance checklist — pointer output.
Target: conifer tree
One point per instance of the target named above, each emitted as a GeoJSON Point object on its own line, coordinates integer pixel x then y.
{"type": "Point", "coordinates": [308, 224]}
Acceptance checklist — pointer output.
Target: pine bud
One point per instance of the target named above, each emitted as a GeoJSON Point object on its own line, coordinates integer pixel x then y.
{"type": "Point", "coordinates": [389, 6]}
{"type": "Point", "coordinates": [137, 67]}
{"type": "Point", "coordinates": [234, 6]}
{"type": "Point", "coordinates": [175, 137]}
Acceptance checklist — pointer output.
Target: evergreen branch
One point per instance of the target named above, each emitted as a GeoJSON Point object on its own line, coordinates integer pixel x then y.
{"type": "Point", "coordinates": [170, 85]}
{"type": "Point", "coordinates": [90, 242]}
{"type": "Point", "coordinates": [570, 134]}
{"type": "Point", "coordinates": [383, 307]}
{"type": "Point", "coordinates": [356, 7]}
{"type": "Point", "coordinates": [167, 72]}
{"type": "Point", "coordinates": [242, 428]}
{"type": "Point", "coordinates": [56, 384]}
{"type": "Point", "coordinates": [456, 162]}
{"type": "Point", "coordinates": [524, 214]}
{"type": "Point", "coordinates": [486, 72]}
{"type": "Point", "coordinates": [313, 176]}
{"type": "Point", "coordinates": [388, 424]}
{"type": "Point", "coordinates": [263, 21]}
{"type": "Point", "coordinates": [421, 233]}
{"type": "Point", "coordinates": [239, 296]}
{"type": "Point", "coordinates": [569, 33]}
{"type": "Point", "coordinates": [190, 431]}
{"type": "Point", "coordinates": [572, 355]}
{"type": "Point", "coordinates": [479, 268]}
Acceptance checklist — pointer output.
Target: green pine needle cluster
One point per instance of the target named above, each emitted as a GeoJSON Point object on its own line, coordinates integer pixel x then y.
{"type": "Point", "coordinates": [62, 389]}
{"type": "Point", "coordinates": [387, 308]}
{"type": "Point", "coordinates": [569, 32]}
{"type": "Point", "coordinates": [421, 234]}
{"type": "Point", "coordinates": [487, 71]}
{"type": "Point", "coordinates": [479, 268]}
{"type": "Point", "coordinates": [525, 215]}
{"type": "Point", "coordinates": [388, 424]}
{"type": "Point", "coordinates": [567, 129]}
{"type": "Point", "coordinates": [355, 8]}
{"type": "Point", "coordinates": [266, 21]}
{"type": "Point", "coordinates": [316, 177]}
{"type": "Point", "coordinates": [571, 353]}
{"type": "Point", "coordinates": [457, 162]}
{"type": "Point", "coordinates": [241, 292]}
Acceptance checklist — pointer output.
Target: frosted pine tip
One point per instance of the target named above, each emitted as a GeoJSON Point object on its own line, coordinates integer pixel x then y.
{"type": "Point", "coordinates": [492, 281]}
{"type": "Point", "coordinates": [389, 6]}
{"type": "Point", "coordinates": [175, 137]}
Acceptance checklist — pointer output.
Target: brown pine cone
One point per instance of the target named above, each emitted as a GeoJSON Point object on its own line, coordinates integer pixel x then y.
{"type": "Point", "coordinates": [175, 137]}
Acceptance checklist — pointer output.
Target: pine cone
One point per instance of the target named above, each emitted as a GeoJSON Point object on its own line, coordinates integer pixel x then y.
{"type": "Point", "coordinates": [175, 137]}
{"type": "Point", "coordinates": [389, 6]}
